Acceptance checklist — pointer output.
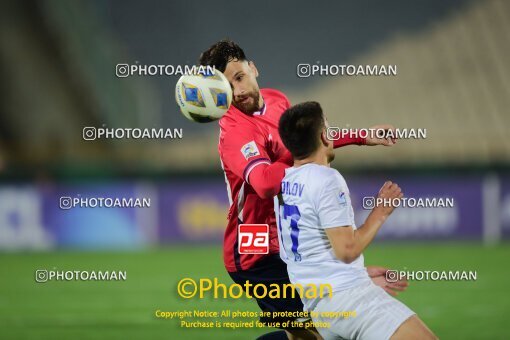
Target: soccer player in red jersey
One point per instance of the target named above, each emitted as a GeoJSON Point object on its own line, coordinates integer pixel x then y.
{"type": "Point", "coordinates": [254, 160]}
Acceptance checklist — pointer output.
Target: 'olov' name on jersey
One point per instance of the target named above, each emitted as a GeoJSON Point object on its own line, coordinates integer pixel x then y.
{"type": "Point", "coordinates": [290, 188]}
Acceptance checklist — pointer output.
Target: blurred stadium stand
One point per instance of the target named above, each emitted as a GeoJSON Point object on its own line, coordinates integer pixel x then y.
{"type": "Point", "coordinates": [57, 61]}
{"type": "Point", "coordinates": [453, 80]}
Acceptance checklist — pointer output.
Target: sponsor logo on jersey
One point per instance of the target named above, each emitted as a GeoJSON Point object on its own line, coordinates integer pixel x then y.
{"type": "Point", "coordinates": [342, 198]}
{"type": "Point", "coordinates": [250, 149]}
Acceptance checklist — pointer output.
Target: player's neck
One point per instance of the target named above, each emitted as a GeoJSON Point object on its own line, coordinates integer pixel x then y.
{"type": "Point", "coordinates": [261, 102]}
{"type": "Point", "coordinates": [318, 157]}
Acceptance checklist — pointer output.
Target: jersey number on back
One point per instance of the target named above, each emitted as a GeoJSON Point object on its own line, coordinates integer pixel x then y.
{"type": "Point", "coordinates": [292, 212]}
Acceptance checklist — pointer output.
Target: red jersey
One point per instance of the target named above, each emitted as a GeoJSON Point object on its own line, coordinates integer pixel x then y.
{"type": "Point", "coordinates": [247, 141]}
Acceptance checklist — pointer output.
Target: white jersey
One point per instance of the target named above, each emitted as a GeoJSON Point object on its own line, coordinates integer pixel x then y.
{"type": "Point", "coordinates": [315, 198]}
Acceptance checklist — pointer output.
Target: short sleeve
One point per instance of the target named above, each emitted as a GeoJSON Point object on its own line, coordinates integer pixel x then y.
{"type": "Point", "coordinates": [242, 150]}
{"type": "Point", "coordinates": [334, 203]}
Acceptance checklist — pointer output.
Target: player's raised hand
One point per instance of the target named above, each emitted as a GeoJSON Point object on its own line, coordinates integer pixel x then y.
{"type": "Point", "coordinates": [372, 137]}
{"type": "Point", "coordinates": [387, 197]}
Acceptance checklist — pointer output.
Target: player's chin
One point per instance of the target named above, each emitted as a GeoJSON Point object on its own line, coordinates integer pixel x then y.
{"type": "Point", "coordinates": [246, 107]}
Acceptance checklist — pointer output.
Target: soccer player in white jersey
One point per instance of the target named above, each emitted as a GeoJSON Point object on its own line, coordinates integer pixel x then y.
{"type": "Point", "coordinates": [321, 244]}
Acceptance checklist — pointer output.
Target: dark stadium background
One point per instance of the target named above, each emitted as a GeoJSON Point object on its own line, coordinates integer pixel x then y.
{"type": "Point", "coordinates": [57, 61]}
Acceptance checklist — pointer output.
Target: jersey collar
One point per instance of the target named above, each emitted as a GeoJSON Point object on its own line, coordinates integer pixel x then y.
{"type": "Point", "coordinates": [261, 111]}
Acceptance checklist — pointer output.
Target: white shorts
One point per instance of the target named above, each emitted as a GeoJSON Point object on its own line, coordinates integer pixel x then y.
{"type": "Point", "coordinates": [377, 314]}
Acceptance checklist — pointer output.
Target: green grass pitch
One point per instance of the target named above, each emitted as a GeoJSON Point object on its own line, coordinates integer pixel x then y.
{"type": "Point", "coordinates": [125, 309]}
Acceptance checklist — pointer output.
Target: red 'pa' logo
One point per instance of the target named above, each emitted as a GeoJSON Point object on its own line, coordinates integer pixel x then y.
{"type": "Point", "coordinates": [253, 238]}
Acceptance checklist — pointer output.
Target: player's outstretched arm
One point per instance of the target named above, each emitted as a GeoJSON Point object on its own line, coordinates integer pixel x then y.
{"type": "Point", "coordinates": [347, 243]}
{"type": "Point", "coordinates": [369, 140]}
{"type": "Point", "coordinates": [347, 140]}
{"type": "Point", "coordinates": [373, 140]}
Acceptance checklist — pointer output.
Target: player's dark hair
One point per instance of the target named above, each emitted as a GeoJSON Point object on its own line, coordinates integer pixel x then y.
{"type": "Point", "coordinates": [300, 127]}
{"type": "Point", "coordinates": [219, 54]}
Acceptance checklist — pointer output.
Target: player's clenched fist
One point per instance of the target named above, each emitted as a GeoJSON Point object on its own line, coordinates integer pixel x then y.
{"type": "Point", "coordinates": [388, 196]}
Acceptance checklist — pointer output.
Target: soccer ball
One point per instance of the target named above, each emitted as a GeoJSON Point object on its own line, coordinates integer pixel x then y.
{"type": "Point", "coordinates": [203, 97]}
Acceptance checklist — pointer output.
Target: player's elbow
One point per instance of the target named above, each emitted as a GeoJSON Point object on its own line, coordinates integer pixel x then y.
{"type": "Point", "coordinates": [347, 253]}
{"type": "Point", "coordinates": [346, 258]}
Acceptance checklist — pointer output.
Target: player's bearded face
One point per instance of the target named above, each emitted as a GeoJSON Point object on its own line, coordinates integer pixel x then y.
{"type": "Point", "coordinates": [242, 75]}
{"type": "Point", "coordinates": [248, 102]}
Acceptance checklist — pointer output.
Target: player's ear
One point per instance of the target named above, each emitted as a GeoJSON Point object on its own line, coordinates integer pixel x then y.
{"type": "Point", "coordinates": [324, 138]}
{"type": "Point", "coordinates": [253, 68]}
